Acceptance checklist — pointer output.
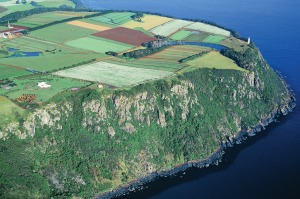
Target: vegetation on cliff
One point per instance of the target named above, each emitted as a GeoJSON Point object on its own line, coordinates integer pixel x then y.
{"type": "Point", "coordinates": [86, 143]}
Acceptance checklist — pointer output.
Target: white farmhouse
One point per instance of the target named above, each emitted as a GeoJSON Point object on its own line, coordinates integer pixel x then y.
{"type": "Point", "coordinates": [43, 85]}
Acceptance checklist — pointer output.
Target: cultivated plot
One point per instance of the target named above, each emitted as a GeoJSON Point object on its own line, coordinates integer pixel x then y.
{"type": "Point", "coordinates": [11, 5]}
{"type": "Point", "coordinates": [125, 35]}
{"type": "Point", "coordinates": [9, 110]}
{"type": "Point", "coordinates": [170, 27]}
{"type": "Point", "coordinates": [88, 25]}
{"type": "Point", "coordinates": [113, 74]}
{"type": "Point", "coordinates": [166, 60]}
{"type": "Point", "coordinates": [28, 87]}
{"type": "Point", "coordinates": [214, 60]}
{"type": "Point", "coordinates": [178, 52]}
{"type": "Point", "coordinates": [148, 22]}
{"type": "Point", "coordinates": [36, 45]}
{"type": "Point", "coordinates": [148, 63]}
{"type": "Point", "coordinates": [50, 62]}
{"type": "Point", "coordinates": [98, 44]}
{"type": "Point", "coordinates": [9, 72]}
{"type": "Point", "coordinates": [46, 18]}
{"type": "Point", "coordinates": [214, 39]}
{"type": "Point", "coordinates": [182, 34]}
{"type": "Point", "coordinates": [208, 28]}
{"type": "Point", "coordinates": [236, 44]}
{"type": "Point", "coordinates": [197, 37]}
{"type": "Point", "coordinates": [61, 33]}
{"type": "Point", "coordinates": [115, 18]}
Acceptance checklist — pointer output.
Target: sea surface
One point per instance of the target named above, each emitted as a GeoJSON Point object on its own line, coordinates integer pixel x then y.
{"type": "Point", "coordinates": [267, 165]}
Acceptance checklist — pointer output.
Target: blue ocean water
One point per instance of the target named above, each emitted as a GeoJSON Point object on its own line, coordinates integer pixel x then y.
{"type": "Point", "coordinates": [268, 165]}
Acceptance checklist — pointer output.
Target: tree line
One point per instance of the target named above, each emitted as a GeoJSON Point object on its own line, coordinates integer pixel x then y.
{"type": "Point", "coordinates": [192, 57]}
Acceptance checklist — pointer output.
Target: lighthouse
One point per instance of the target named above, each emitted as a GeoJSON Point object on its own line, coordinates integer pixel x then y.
{"type": "Point", "coordinates": [249, 40]}
{"type": "Point", "coordinates": [9, 26]}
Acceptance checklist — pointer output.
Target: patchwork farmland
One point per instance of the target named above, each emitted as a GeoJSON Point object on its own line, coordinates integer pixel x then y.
{"type": "Point", "coordinates": [125, 35]}
{"type": "Point", "coordinates": [90, 50]}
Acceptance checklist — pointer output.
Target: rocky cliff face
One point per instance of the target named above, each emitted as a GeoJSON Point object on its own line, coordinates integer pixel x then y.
{"type": "Point", "coordinates": [93, 142]}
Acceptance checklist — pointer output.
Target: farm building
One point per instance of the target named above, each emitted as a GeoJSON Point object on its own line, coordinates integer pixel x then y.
{"type": "Point", "coordinates": [43, 85]}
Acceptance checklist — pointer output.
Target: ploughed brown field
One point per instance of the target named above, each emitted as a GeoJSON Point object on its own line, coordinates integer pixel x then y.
{"type": "Point", "coordinates": [125, 35]}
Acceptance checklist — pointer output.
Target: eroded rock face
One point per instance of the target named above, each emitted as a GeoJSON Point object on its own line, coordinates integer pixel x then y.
{"type": "Point", "coordinates": [141, 107]}
{"type": "Point", "coordinates": [124, 135]}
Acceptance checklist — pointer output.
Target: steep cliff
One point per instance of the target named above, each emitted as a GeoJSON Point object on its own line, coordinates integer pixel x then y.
{"type": "Point", "coordinates": [91, 142]}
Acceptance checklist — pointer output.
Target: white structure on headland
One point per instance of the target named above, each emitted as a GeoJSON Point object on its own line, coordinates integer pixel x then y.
{"type": "Point", "coordinates": [249, 40]}
{"type": "Point", "coordinates": [43, 85]}
{"type": "Point", "coordinates": [9, 26]}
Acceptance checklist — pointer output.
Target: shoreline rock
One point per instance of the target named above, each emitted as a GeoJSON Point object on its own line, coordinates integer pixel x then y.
{"type": "Point", "coordinates": [214, 159]}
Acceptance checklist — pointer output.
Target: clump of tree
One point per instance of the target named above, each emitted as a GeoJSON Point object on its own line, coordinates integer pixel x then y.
{"type": "Point", "coordinates": [156, 43]}
{"type": "Point", "coordinates": [35, 4]}
{"type": "Point", "coordinates": [138, 16]}
{"type": "Point", "coordinates": [160, 37]}
{"type": "Point", "coordinates": [192, 57]}
{"type": "Point", "coordinates": [4, 52]}
{"type": "Point", "coordinates": [112, 53]}
{"type": "Point", "coordinates": [143, 52]}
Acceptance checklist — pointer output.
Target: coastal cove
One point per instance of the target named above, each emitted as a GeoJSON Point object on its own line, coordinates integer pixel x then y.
{"type": "Point", "coordinates": [270, 159]}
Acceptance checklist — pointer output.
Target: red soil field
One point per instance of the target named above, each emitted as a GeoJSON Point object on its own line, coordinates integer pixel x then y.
{"type": "Point", "coordinates": [125, 35]}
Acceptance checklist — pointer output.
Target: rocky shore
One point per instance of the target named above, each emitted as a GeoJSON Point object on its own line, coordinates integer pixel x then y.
{"type": "Point", "coordinates": [214, 159]}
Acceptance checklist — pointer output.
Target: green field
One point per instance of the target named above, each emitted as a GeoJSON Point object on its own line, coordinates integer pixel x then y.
{"type": "Point", "coordinates": [98, 44]}
{"type": "Point", "coordinates": [8, 72]}
{"type": "Point", "coordinates": [50, 62]}
{"type": "Point", "coordinates": [208, 28]}
{"type": "Point", "coordinates": [115, 18]}
{"type": "Point", "coordinates": [181, 35]}
{"type": "Point", "coordinates": [236, 44]}
{"type": "Point", "coordinates": [8, 110]}
{"type": "Point", "coordinates": [144, 31]}
{"type": "Point", "coordinates": [214, 60]}
{"type": "Point", "coordinates": [32, 44]}
{"type": "Point", "coordinates": [61, 33]}
{"type": "Point", "coordinates": [3, 28]}
{"type": "Point", "coordinates": [28, 85]}
{"type": "Point", "coordinates": [89, 20]}
{"type": "Point", "coordinates": [178, 52]}
{"type": "Point", "coordinates": [166, 60]}
{"type": "Point", "coordinates": [45, 18]}
{"type": "Point", "coordinates": [214, 39]}
{"type": "Point", "coordinates": [148, 63]}
{"type": "Point", "coordinates": [170, 27]}
{"type": "Point", "coordinates": [197, 37]}
{"type": "Point", "coordinates": [11, 5]}
{"type": "Point", "coordinates": [113, 74]}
